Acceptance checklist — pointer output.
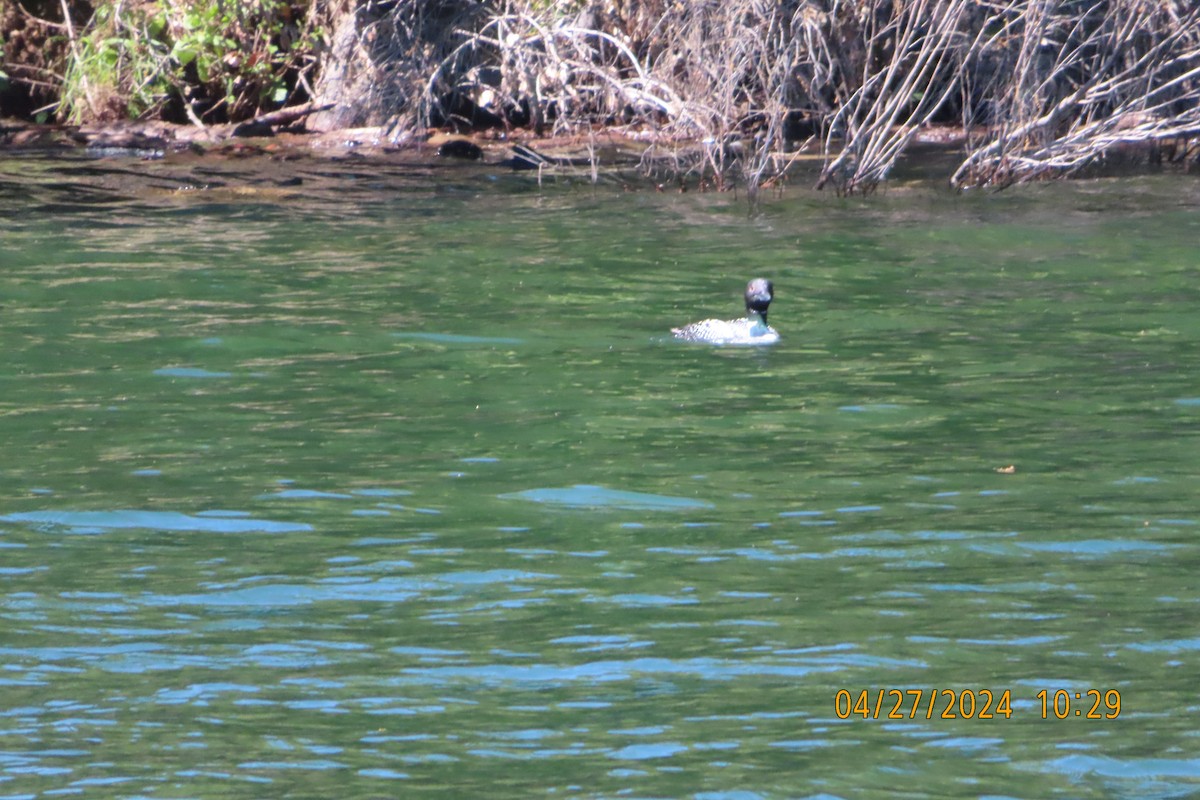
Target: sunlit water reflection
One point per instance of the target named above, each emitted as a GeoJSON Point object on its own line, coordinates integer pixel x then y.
{"type": "Point", "coordinates": [382, 488]}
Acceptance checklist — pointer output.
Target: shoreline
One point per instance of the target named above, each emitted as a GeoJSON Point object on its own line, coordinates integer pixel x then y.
{"type": "Point", "coordinates": [638, 158]}
{"type": "Point", "coordinates": [667, 157]}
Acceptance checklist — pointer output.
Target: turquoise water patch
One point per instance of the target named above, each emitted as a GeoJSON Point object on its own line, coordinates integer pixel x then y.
{"type": "Point", "coordinates": [94, 521]}
{"type": "Point", "coordinates": [287, 595]}
{"type": "Point", "coordinates": [588, 496]}
{"type": "Point", "coordinates": [1098, 547]}
{"type": "Point", "coordinates": [1175, 646]}
{"type": "Point", "coordinates": [384, 590]}
{"type": "Point", "coordinates": [451, 338]}
{"type": "Point", "coordinates": [1131, 776]}
{"type": "Point", "coordinates": [643, 752]}
{"type": "Point", "coordinates": [598, 672]}
{"type": "Point", "coordinates": [304, 494]}
{"type": "Point", "coordinates": [386, 774]}
{"type": "Point", "coordinates": [190, 372]}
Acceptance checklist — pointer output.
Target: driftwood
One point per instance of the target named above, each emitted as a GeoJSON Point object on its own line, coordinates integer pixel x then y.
{"type": "Point", "coordinates": [151, 136]}
{"type": "Point", "coordinates": [263, 124]}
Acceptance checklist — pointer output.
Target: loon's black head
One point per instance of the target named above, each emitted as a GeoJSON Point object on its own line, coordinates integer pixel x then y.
{"type": "Point", "coordinates": [759, 293]}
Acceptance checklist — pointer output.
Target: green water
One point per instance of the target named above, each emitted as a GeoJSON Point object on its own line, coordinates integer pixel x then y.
{"type": "Point", "coordinates": [392, 484]}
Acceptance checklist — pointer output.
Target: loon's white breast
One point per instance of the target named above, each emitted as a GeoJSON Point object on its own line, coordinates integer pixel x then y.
{"type": "Point", "coordinates": [750, 330]}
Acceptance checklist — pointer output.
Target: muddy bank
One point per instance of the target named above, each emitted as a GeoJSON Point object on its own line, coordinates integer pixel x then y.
{"type": "Point", "coordinates": [146, 160]}
{"type": "Point", "coordinates": [268, 150]}
{"type": "Point", "coordinates": [635, 158]}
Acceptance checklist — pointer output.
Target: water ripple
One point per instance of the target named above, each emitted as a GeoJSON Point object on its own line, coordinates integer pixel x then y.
{"type": "Point", "coordinates": [190, 372]}
{"type": "Point", "coordinates": [1143, 771]}
{"type": "Point", "coordinates": [706, 668]}
{"type": "Point", "coordinates": [1099, 547]}
{"type": "Point", "coordinates": [97, 521]}
{"type": "Point", "coordinates": [587, 496]}
{"type": "Point", "coordinates": [451, 338]}
{"type": "Point", "coordinates": [389, 590]}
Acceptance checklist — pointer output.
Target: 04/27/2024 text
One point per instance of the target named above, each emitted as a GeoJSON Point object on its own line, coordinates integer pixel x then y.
{"type": "Point", "coordinates": [971, 704]}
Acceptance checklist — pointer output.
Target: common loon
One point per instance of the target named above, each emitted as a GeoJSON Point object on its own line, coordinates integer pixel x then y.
{"type": "Point", "coordinates": [751, 330]}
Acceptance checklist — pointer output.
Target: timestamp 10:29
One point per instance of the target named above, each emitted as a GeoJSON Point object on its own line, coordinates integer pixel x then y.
{"type": "Point", "coordinates": [971, 704]}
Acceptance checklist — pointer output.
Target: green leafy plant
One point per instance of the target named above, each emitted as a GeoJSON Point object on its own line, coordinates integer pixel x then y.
{"type": "Point", "coordinates": [221, 58]}
{"type": "Point", "coordinates": [243, 55]}
{"type": "Point", "coordinates": [118, 67]}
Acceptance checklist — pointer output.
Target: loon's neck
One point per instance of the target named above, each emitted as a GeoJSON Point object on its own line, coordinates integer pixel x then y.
{"type": "Point", "coordinates": [756, 317]}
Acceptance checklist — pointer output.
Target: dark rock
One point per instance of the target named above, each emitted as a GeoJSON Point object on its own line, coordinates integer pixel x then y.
{"type": "Point", "coordinates": [524, 158]}
{"type": "Point", "coordinates": [460, 148]}
{"type": "Point", "coordinates": [253, 128]}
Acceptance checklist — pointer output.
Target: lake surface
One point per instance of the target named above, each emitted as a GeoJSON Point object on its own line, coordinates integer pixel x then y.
{"type": "Point", "coordinates": [390, 483]}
